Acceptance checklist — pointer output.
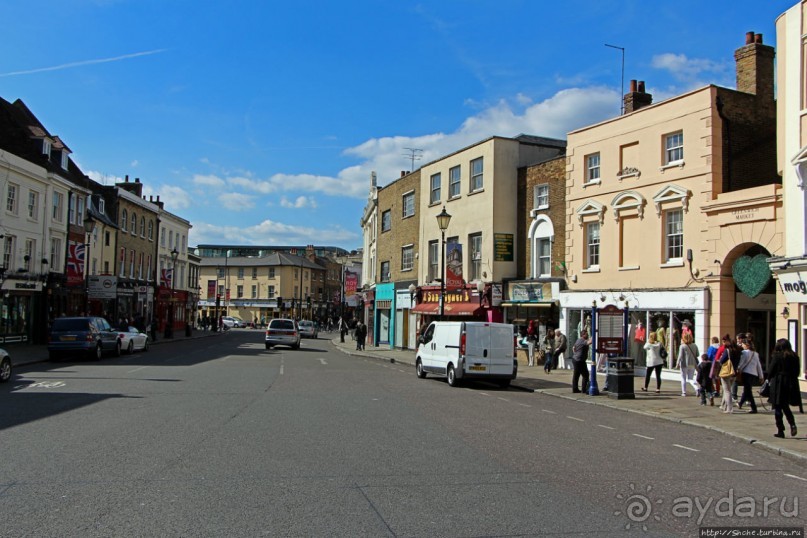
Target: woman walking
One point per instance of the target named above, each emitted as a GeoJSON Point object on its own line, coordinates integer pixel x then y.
{"type": "Point", "coordinates": [654, 362]}
{"type": "Point", "coordinates": [687, 361]}
{"type": "Point", "coordinates": [532, 337]}
{"type": "Point", "coordinates": [751, 373]}
{"type": "Point", "coordinates": [783, 376]}
{"type": "Point", "coordinates": [729, 361]}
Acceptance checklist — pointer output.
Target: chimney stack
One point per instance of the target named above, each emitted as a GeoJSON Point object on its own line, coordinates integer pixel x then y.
{"type": "Point", "coordinates": [403, 173]}
{"type": "Point", "coordinates": [755, 69]}
{"type": "Point", "coordinates": [636, 98]}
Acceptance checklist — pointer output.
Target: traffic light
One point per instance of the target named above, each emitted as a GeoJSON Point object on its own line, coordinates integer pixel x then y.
{"type": "Point", "coordinates": [279, 301]}
{"type": "Point", "coordinates": [308, 301]}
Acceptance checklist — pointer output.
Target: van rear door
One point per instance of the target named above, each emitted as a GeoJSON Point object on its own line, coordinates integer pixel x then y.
{"type": "Point", "coordinates": [477, 348]}
{"type": "Point", "coordinates": [500, 352]}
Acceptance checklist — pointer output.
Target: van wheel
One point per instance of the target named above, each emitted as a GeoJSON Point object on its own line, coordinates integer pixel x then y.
{"type": "Point", "coordinates": [419, 369]}
{"type": "Point", "coordinates": [451, 376]}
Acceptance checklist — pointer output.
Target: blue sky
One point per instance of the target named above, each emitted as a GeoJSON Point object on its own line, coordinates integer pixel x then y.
{"type": "Point", "coordinates": [260, 122]}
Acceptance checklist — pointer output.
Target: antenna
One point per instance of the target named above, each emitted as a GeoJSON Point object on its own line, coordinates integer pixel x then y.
{"type": "Point", "coordinates": [622, 95]}
{"type": "Point", "coordinates": [413, 156]}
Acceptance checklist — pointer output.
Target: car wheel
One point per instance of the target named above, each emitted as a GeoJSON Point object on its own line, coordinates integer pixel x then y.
{"type": "Point", "coordinates": [5, 370]}
{"type": "Point", "coordinates": [97, 353]}
{"type": "Point", "coordinates": [117, 349]}
{"type": "Point", "coordinates": [268, 346]}
{"type": "Point", "coordinates": [130, 349]}
{"type": "Point", "coordinates": [419, 369]}
{"type": "Point", "coordinates": [451, 376]}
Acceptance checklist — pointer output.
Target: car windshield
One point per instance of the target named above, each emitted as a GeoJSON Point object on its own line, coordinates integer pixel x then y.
{"type": "Point", "coordinates": [67, 324]}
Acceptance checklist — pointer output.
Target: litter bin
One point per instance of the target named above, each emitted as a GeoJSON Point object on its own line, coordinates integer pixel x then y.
{"type": "Point", "coordinates": [619, 372]}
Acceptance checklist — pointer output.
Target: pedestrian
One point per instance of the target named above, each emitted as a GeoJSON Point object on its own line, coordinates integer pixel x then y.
{"type": "Point", "coordinates": [783, 378]}
{"type": "Point", "coordinates": [716, 365]}
{"type": "Point", "coordinates": [654, 362]}
{"type": "Point", "coordinates": [579, 357]}
{"type": "Point", "coordinates": [560, 348]}
{"type": "Point", "coordinates": [751, 374]}
{"type": "Point", "coordinates": [549, 350]}
{"type": "Point", "coordinates": [361, 334]}
{"type": "Point", "coordinates": [532, 338]}
{"type": "Point", "coordinates": [687, 361]}
{"type": "Point", "coordinates": [342, 329]}
{"type": "Point", "coordinates": [704, 379]}
{"type": "Point", "coordinates": [729, 361]}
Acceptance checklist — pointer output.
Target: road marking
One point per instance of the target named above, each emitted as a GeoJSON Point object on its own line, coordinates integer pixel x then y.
{"type": "Point", "coordinates": [645, 437]}
{"type": "Point", "coordinates": [548, 411]}
{"type": "Point", "coordinates": [136, 369]}
{"type": "Point", "coordinates": [503, 399]}
{"type": "Point", "coordinates": [687, 448]}
{"type": "Point", "coordinates": [45, 385]}
{"type": "Point", "coordinates": [524, 405]}
{"type": "Point", "coordinates": [322, 361]}
{"type": "Point", "coordinates": [575, 418]}
{"type": "Point", "coordinates": [740, 462]}
{"type": "Point", "coordinates": [606, 427]}
{"type": "Point", "coordinates": [796, 477]}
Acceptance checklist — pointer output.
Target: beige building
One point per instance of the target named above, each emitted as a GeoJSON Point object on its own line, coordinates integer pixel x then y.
{"type": "Point", "coordinates": [672, 209]}
{"type": "Point", "coordinates": [791, 133]}
{"type": "Point", "coordinates": [477, 186]}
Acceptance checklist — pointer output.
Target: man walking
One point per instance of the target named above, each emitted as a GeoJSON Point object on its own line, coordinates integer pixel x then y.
{"type": "Point", "coordinates": [579, 357]}
{"type": "Point", "coordinates": [560, 348]}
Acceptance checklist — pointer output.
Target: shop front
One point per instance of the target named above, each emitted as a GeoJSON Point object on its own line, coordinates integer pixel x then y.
{"type": "Point", "coordinates": [537, 300]}
{"type": "Point", "coordinates": [792, 312]}
{"type": "Point", "coordinates": [461, 304]}
{"type": "Point", "coordinates": [384, 322]}
{"type": "Point", "coordinates": [21, 309]}
{"type": "Point", "coordinates": [405, 319]}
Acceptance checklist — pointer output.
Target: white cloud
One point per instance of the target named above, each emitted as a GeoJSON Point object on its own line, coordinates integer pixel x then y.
{"type": "Point", "coordinates": [104, 179]}
{"type": "Point", "coordinates": [134, 163]}
{"type": "Point", "coordinates": [269, 232]}
{"type": "Point", "coordinates": [174, 197]}
{"type": "Point", "coordinates": [209, 180]}
{"type": "Point", "coordinates": [691, 71]}
{"type": "Point", "coordinates": [236, 201]}
{"type": "Point", "coordinates": [299, 202]}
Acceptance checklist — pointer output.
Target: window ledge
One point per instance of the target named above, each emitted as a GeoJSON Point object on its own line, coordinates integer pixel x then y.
{"type": "Point", "coordinates": [592, 183]}
{"type": "Point", "coordinates": [432, 204]}
{"type": "Point", "coordinates": [534, 212]}
{"type": "Point", "coordinates": [676, 164]}
{"type": "Point", "coordinates": [454, 197]}
{"type": "Point", "coordinates": [629, 268]}
{"type": "Point", "coordinates": [478, 191]}
{"type": "Point", "coordinates": [672, 263]}
{"type": "Point", "coordinates": [593, 269]}
{"type": "Point", "coordinates": [407, 270]}
{"type": "Point", "coordinates": [407, 216]}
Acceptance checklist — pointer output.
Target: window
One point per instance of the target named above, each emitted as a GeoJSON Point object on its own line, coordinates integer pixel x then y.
{"type": "Point", "coordinates": [64, 160]}
{"type": "Point", "coordinates": [475, 243]}
{"type": "Point", "coordinates": [407, 257]}
{"type": "Point", "coordinates": [254, 291]}
{"type": "Point", "coordinates": [454, 182]}
{"type": "Point", "coordinates": [271, 292]}
{"type": "Point", "coordinates": [162, 237]}
{"type": "Point", "coordinates": [101, 206]}
{"type": "Point", "coordinates": [46, 147]}
{"type": "Point", "coordinates": [8, 252]}
{"type": "Point", "coordinates": [541, 197]}
{"type": "Point", "coordinates": [674, 240]}
{"type": "Point", "coordinates": [408, 204]}
{"type": "Point", "coordinates": [170, 238]}
{"type": "Point", "coordinates": [140, 267]}
{"type": "Point", "coordinates": [477, 182]}
{"type": "Point", "coordinates": [80, 211]}
{"type": "Point", "coordinates": [384, 271]}
{"type": "Point", "coordinates": [239, 291]}
{"type": "Point", "coordinates": [386, 221]}
{"type": "Point", "coordinates": [544, 257]}
{"type": "Point", "coordinates": [33, 205]}
{"type": "Point", "coordinates": [254, 273]}
{"type": "Point", "coordinates": [151, 230]}
{"type": "Point", "coordinates": [434, 197]}
{"type": "Point", "coordinates": [240, 273]}
{"type": "Point", "coordinates": [592, 244]}
{"type": "Point", "coordinates": [220, 293]}
{"type": "Point", "coordinates": [593, 168]}
{"type": "Point", "coordinates": [11, 198]}
{"type": "Point", "coordinates": [142, 226]}
{"type": "Point", "coordinates": [57, 207]}
{"type": "Point", "coordinates": [220, 272]}
{"type": "Point", "coordinates": [28, 258]}
{"type": "Point", "coordinates": [674, 148]}
{"type": "Point", "coordinates": [271, 272]}
{"type": "Point", "coordinates": [131, 264]}
{"type": "Point", "coordinates": [434, 252]}
{"type": "Point", "coordinates": [107, 238]}
{"type": "Point", "coordinates": [55, 252]}
{"type": "Point", "coordinates": [124, 219]}
{"type": "Point", "coordinates": [122, 262]}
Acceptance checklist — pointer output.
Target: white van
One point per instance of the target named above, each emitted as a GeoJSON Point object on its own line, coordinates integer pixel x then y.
{"type": "Point", "coordinates": [460, 350]}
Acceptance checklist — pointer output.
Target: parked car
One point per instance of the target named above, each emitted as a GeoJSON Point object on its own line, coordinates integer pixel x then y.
{"type": "Point", "coordinates": [283, 332]}
{"type": "Point", "coordinates": [133, 340]}
{"type": "Point", "coordinates": [460, 350]}
{"type": "Point", "coordinates": [239, 323]}
{"type": "Point", "coordinates": [308, 329]}
{"type": "Point", "coordinates": [92, 336]}
{"type": "Point", "coordinates": [228, 322]}
{"type": "Point", "coordinates": [5, 366]}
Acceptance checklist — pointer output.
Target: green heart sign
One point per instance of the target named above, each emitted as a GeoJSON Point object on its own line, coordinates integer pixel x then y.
{"type": "Point", "coordinates": [751, 274]}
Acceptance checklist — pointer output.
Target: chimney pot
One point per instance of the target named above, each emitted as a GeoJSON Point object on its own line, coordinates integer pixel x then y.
{"type": "Point", "coordinates": [640, 86]}
{"type": "Point", "coordinates": [758, 38]}
{"type": "Point", "coordinates": [126, 178]}
{"type": "Point", "coordinates": [137, 180]}
{"type": "Point", "coordinates": [749, 38]}
{"type": "Point", "coordinates": [633, 85]}
{"type": "Point", "coordinates": [403, 173]}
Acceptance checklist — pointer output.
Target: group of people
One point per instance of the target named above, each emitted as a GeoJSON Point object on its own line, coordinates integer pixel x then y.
{"type": "Point", "coordinates": [731, 363]}
{"type": "Point", "coordinates": [551, 346]}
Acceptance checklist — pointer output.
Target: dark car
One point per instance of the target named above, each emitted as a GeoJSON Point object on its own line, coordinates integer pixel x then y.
{"type": "Point", "coordinates": [92, 336]}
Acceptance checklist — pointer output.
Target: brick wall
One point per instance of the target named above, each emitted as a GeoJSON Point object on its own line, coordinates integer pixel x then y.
{"type": "Point", "coordinates": [403, 231]}
{"type": "Point", "coordinates": [553, 173]}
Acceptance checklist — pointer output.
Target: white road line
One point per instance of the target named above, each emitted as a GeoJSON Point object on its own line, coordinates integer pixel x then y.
{"type": "Point", "coordinates": [503, 399]}
{"type": "Point", "coordinates": [322, 361]}
{"type": "Point", "coordinates": [687, 448]}
{"type": "Point", "coordinates": [524, 405]}
{"type": "Point", "coordinates": [645, 437]}
{"type": "Point", "coordinates": [136, 369]}
{"type": "Point", "coordinates": [575, 418]}
{"type": "Point", "coordinates": [740, 462]}
{"type": "Point", "coordinates": [796, 477]}
{"type": "Point", "coordinates": [548, 411]}
{"type": "Point", "coordinates": [281, 369]}
{"type": "Point", "coordinates": [606, 427]}
{"type": "Point", "coordinates": [484, 394]}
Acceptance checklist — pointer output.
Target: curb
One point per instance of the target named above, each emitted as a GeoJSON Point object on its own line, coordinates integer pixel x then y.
{"type": "Point", "coordinates": [765, 445]}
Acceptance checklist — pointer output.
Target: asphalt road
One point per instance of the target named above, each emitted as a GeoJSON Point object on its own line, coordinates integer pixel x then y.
{"type": "Point", "coordinates": [220, 437]}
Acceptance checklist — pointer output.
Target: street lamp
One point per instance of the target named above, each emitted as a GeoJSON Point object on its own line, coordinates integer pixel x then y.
{"type": "Point", "coordinates": [442, 222]}
{"type": "Point", "coordinates": [89, 227]}
{"type": "Point", "coordinates": [169, 328]}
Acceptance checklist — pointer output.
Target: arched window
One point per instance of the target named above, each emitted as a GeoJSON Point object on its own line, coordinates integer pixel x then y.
{"type": "Point", "coordinates": [124, 220]}
{"type": "Point", "coordinates": [542, 236]}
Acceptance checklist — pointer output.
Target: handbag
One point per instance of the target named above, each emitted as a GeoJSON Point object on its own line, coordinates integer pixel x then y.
{"type": "Point", "coordinates": [765, 389]}
{"type": "Point", "coordinates": [663, 353]}
{"type": "Point", "coordinates": [727, 370]}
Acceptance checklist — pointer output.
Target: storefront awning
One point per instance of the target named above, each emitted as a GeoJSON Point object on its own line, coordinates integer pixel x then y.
{"type": "Point", "coordinates": [529, 305]}
{"type": "Point", "coordinates": [426, 308]}
{"type": "Point", "coordinates": [451, 309]}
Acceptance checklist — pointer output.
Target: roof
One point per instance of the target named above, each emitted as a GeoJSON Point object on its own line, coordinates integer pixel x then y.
{"type": "Point", "coordinates": [276, 259]}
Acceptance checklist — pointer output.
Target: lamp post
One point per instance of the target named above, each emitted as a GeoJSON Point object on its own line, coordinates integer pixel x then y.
{"type": "Point", "coordinates": [169, 328]}
{"type": "Point", "coordinates": [89, 227]}
{"type": "Point", "coordinates": [442, 222]}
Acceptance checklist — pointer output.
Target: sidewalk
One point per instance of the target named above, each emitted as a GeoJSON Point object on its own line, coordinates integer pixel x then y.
{"type": "Point", "coordinates": [22, 354]}
{"type": "Point", "coordinates": [668, 405]}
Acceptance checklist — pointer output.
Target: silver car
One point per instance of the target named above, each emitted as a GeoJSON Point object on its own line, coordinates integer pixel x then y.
{"type": "Point", "coordinates": [308, 329]}
{"type": "Point", "coordinates": [283, 332]}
